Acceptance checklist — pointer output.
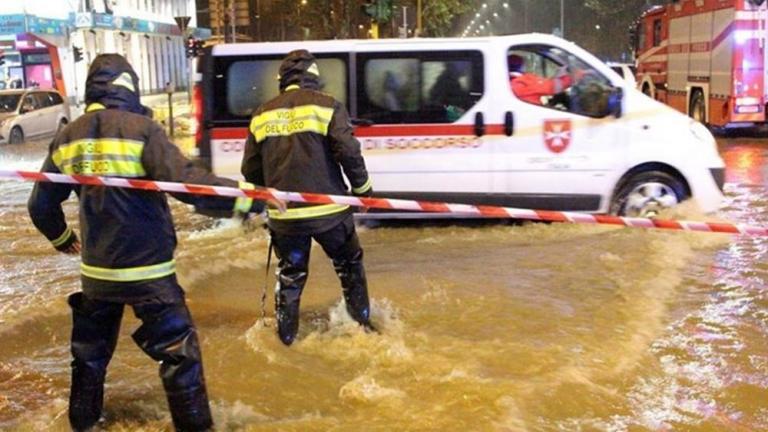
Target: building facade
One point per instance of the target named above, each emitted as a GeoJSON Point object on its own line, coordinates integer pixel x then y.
{"type": "Point", "coordinates": [38, 39]}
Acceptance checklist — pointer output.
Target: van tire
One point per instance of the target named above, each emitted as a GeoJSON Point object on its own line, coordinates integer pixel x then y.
{"type": "Point", "coordinates": [16, 136]}
{"type": "Point", "coordinates": [647, 193]}
{"type": "Point", "coordinates": [698, 108]}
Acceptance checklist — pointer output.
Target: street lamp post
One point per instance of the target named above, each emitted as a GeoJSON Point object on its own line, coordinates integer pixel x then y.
{"type": "Point", "coordinates": [258, 20]}
{"type": "Point", "coordinates": [562, 18]}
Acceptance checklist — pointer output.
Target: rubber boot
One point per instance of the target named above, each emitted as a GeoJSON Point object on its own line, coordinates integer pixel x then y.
{"type": "Point", "coordinates": [355, 289]}
{"type": "Point", "coordinates": [190, 411]}
{"type": "Point", "coordinates": [168, 336]}
{"type": "Point", "coordinates": [94, 336]}
{"type": "Point", "coordinates": [86, 397]}
{"type": "Point", "coordinates": [291, 282]}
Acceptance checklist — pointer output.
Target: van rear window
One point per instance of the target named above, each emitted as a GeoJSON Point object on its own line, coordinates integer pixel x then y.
{"type": "Point", "coordinates": [249, 83]}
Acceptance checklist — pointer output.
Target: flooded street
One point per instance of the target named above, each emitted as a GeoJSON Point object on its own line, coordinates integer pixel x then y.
{"type": "Point", "coordinates": [529, 327]}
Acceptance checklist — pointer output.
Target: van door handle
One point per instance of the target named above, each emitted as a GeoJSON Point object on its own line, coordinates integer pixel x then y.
{"type": "Point", "coordinates": [479, 124]}
{"type": "Point", "coordinates": [509, 123]}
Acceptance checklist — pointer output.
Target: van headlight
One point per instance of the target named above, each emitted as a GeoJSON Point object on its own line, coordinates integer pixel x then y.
{"type": "Point", "coordinates": [701, 133]}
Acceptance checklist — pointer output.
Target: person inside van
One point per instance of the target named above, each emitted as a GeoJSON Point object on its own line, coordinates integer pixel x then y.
{"type": "Point", "coordinates": [530, 87]}
{"type": "Point", "coordinates": [391, 92]}
{"type": "Point", "coordinates": [448, 92]}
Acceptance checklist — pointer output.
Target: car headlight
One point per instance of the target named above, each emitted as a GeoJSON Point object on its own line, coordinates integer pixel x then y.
{"type": "Point", "coordinates": [701, 133]}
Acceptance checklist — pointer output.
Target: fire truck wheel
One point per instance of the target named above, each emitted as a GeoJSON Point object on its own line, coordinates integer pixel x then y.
{"type": "Point", "coordinates": [698, 108]}
{"type": "Point", "coordinates": [647, 193]}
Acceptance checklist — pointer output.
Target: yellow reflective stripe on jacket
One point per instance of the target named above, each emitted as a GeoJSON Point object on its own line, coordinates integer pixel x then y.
{"type": "Point", "coordinates": [101, 156]}
{"type": "Point", "coordinates": [289, 121]}
{"type": "Point", "coordinates": [62, 238]}
{"type": "Point", "coordinates": [244, 204]}
{"type": "Point", "coordinates": [364, 188]}
{"type": "Point", "coordinates": [307, 212]}
{"type": "Point", "coordinates": [94, 107]}
{"type": "Point", "coordinates": [130, 274]}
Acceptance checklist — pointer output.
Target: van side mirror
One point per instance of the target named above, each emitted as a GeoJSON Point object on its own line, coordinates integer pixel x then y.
{"type": "Point", "coordinates": [27, 107]}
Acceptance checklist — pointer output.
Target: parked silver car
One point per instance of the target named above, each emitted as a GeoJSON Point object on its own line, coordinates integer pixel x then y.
{"type": "Point", "coordinates": [31, 113]}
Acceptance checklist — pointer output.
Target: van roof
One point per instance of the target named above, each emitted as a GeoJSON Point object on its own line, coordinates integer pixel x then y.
{"type": "Point", "coordinates": [344, 45]}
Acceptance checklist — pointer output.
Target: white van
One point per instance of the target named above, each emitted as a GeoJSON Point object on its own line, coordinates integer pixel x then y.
{"type": "Point", "coordinates": [438, 120]}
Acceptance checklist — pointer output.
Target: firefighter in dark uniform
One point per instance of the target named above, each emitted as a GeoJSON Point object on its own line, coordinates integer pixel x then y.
{"type": "Point", "coordinates": [300, 141]}
{"type": "Point", "coordinates": [128, 244]}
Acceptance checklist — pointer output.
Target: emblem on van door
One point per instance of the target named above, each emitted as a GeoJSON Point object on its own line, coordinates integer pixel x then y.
{"type": "Point", "coordinates": [557, 135]}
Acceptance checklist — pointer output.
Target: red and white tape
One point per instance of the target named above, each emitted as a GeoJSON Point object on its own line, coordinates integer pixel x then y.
{"type": "Point", "coordinates": [390, 204]}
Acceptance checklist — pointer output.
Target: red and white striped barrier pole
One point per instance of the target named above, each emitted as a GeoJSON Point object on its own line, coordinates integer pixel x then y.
{"type": "Point", "coordinates": [390, 204]}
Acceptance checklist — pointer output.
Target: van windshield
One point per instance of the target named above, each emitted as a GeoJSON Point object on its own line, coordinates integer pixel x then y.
{"type": "Point", "coordinates": [9, 102]}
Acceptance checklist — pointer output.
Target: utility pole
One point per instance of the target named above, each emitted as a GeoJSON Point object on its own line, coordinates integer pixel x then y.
{"type": "Point", "coordinates": [258, 20]}
{"type": "Point", "coordinates": [405, 22]}
{"type": "Point", "coordinates": [233, 20]}
{"type": "Point", "coordinates": [418, 18]}
{"type": "Point", "coordinates": [183, 23]}
{"type": "Point", "coordinates": [562, 19]}
{"type": "Point", "coordinates": [525, 15]}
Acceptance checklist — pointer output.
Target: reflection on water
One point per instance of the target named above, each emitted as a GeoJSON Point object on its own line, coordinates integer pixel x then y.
{"type": "Point", "coordinates": [512, 328]}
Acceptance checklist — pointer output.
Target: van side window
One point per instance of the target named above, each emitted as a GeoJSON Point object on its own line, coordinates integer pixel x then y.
{"type": "Point", "coordinates": [418, 87]}
{"type": "Point", "coordinates": [250, 83]}
{"type": "Point", "coordinates": [552, 78]}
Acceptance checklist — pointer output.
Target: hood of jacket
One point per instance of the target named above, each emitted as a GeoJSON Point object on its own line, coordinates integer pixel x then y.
{"type": "Point", "coordinates": [299, 68]}
{"type": "Point", "coordinates": [112, 82]}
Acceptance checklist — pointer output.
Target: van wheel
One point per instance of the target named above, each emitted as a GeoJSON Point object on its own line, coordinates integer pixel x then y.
{"type": "Point", "coordinates": [698, 107]}
{"type": "Point", "coordinates": [16, 136]}
{"type": "Point", "coordinates": [648, 193]}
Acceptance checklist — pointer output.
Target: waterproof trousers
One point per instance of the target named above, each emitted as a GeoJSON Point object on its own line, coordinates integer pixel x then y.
{"type": "Point", "coordinates": [342, 245]}
{"type": "Point", "coordinates": [166, 334]}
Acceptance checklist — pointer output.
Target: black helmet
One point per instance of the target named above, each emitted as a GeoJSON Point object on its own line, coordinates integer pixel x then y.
{"type": "Point", "coordinates": [299, 67]}
{"type": "Point", "coordinates": [113, 83]}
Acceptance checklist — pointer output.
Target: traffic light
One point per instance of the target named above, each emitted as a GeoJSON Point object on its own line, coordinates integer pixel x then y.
{"type": "Point", "coordinates": [78, 52]}
{"type": "Point", "coordinates": [379, 11]}
{"type": "Point", "coordinates": [369, 8]}
{"type": "Point", "coordinates": [2, 57]}
{"type": "Point", "coordinates": [191, 44]}
{"type": "Point", "coordinates": [194, 47]}
{"type": "Point", "coordinates": [199, 46]}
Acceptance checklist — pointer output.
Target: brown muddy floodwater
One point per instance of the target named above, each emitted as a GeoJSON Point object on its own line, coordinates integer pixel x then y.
{"type": "Point", "coordinates": [528, 327]}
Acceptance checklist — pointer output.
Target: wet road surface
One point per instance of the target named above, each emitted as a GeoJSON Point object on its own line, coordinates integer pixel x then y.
{"type": "Point", "coordinates": [528, 327]}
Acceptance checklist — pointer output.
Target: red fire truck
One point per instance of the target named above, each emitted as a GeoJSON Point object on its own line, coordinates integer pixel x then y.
{"type": "Point", "coordinates": [706, 58]}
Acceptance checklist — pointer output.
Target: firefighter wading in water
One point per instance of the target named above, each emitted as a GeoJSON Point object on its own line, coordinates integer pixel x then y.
{"type": "Point", "coordinates": [128, 244]}
{"type": "Point", "coordinates": [300, 141]}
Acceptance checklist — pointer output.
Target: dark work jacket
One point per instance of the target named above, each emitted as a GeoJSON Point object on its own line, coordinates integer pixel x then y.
{"type": "Point", "coordinates": [300, 142]}
{"type": "Point", "coordinates": [128, 237]}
